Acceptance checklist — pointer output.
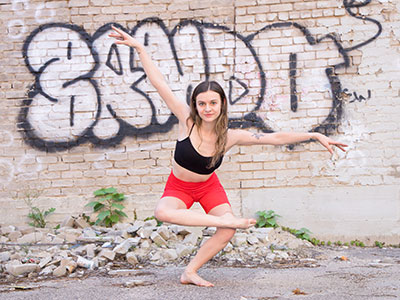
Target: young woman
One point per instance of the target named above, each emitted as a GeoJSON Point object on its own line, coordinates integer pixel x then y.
{"type": "Point", "coordinates": [203, 140]}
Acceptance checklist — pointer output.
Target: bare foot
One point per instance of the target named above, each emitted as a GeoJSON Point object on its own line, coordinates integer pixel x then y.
{"type": "Point", "coordinates": [193, 278]}
{"type": "Point", "coordinates": [231, 221]}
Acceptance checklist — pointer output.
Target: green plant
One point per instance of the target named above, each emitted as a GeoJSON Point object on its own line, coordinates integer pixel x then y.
{"type": "Point", "coordinates": [266, 219]}
{"type": "Point", "coordinates": [108, 204]}
{"type": "Point", "coordinates": [37, 215]}
{"type": "Point", "coordinates": [379, 244]}
{"type": "Point", "coordinates": [303, 233]}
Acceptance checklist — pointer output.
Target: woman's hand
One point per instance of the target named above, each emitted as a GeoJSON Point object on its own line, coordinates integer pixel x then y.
{"type": "Point", "coordinates": [124, 38]}
{"type": "Point", "coordinates": [328, 142]}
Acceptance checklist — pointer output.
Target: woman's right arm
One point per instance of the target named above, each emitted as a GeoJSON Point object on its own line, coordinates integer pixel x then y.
{"type": "Point", "coordinates": [179, 108]}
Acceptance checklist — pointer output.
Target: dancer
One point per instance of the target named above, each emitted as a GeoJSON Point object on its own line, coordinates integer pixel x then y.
{"type": "Point", "coordinates": [203, 139]}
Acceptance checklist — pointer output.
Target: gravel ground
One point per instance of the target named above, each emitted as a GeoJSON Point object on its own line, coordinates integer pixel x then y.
{"type": "Point", "coordinates": [369, 273]}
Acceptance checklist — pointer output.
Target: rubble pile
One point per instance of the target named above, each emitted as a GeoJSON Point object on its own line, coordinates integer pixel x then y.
{"type": "Point", "coordinates": [76, 248]}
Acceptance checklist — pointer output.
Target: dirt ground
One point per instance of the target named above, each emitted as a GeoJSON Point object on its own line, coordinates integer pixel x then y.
{"type": "Point", "coordinates": [369, 273]}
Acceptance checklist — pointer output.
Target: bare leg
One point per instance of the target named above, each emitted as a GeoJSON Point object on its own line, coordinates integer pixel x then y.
{"type": "Point", "coordinates": [210, 248]}
{"type": "Point", "coordinates": [173, 210]}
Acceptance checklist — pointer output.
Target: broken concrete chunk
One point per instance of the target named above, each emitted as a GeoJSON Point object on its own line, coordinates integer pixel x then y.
{"type": "Point", "coordinates": [68, 222]}
{"type": "Point", "coordinates": [81, 222]}
{"type": "Point", "coordinates": [164, 232]}
{"type": "Point", "coordinates": [107, 253]}
{"type": "Point", "coordinates": [132, 258]}
{"type": "Point", "coordinates": [22, 269]}
{"type": "Point", "coordinates": [124, 247]}
{"type": "Point", "coordinates": [30, 238]}
{"type": "Point", "coordinates": [157, 239]}
{"type": "Point", "coordinates": [239, 239]}
{"type": "Point", "coordinates": [191, 239]}
{"type": "Point", "coordinates": [170, 254]}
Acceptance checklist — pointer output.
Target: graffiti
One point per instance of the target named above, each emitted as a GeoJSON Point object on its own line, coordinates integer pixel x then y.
{"type": "Point", "coordinates": [88, 89]}
{"type": "Point", "coordinates": [16, 27]}
{"type": "Point", "coordinates": [357, 97]}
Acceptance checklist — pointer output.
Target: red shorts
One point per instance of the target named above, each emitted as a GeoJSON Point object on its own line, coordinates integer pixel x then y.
{"type": "Point", "coordinates": [209, 193]}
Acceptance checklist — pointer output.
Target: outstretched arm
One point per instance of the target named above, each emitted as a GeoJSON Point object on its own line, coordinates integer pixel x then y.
{"type": "Point", "coordinates": [243, 137]}
{"type": "Point", "coordinates": [179, 108]}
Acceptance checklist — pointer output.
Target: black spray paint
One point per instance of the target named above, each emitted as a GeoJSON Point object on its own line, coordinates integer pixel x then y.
{"type": "Point", "coordinates": [251, 119]}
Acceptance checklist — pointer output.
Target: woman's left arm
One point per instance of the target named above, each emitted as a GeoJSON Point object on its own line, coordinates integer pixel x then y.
{"type": "Point", "coordinates": [244, 137]}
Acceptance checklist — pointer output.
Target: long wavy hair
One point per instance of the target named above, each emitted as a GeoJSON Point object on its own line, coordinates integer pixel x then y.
{"type": "Point", "coordinates": [221, 126]}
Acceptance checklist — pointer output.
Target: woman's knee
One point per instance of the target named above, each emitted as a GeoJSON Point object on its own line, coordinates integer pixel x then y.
{"type": "Point", "coordinates": [161, 214]}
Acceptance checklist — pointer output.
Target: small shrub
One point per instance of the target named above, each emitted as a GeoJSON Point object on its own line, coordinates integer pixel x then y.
{"type": "Point", "coordinates": [108, 204]}
{"type": "Point", "coordinates": [37, 215]}
{"type": "Point", "coordinates": [303, 233]}
{"type": "Point", "coordinates": [266, 219]}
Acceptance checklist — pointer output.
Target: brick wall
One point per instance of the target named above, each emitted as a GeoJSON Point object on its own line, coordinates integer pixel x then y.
{"type": "Point", "coordinates": [78, 115]}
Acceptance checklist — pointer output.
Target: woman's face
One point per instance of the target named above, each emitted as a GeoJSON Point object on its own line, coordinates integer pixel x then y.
{"type": "Point", "coordinates": [208, 105]}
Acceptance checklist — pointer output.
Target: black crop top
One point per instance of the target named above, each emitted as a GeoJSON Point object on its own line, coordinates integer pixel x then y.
{"type": "Point", "coordinates": [187, 157]}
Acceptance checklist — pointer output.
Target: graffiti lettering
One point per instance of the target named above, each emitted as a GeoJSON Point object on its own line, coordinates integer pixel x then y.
{"type": "Point", "coordinates": [89, 89]}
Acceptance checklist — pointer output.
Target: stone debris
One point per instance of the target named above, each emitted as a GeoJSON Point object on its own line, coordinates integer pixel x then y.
{"type": "Point", "coordinates": [77, 248]}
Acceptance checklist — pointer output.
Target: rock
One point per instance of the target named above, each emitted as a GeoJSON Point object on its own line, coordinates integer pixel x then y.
{"type": "Point", "coordinates": [22, 269]}
{"type": "Point", "coordinates": [47, 271]}
{"type": "Point", "coordinates": [184, 250]}
{"type": "Point", "coordinates": [5, 256]}
{"type": "Point", "coordinates": [68, 222]}
{"type": "Point", "coordinates": [145, 232]}
{"type": "Point", "coordinates": [191, 239]}
{"type": "Point", "coordinates": [209, 231]}
{"type": "Point", "coordinates": [179, 230]}
{"type": "Point", "coordinates": [150, 223]}
{"type": "Point", "coordinates": [88, 232]}
{"type": "Point", "coordinates": [239, 239]}
{"type": "Point", "coordinates": [122, 226]}
{"type": "Point", "coordinates": [164, 232]}
{"type": "Point", "coordinates": [156, 256]}
{"type": "Point", "coordinates": [60, 271]}
{"type": "Point", "coordinates": [137, 282]}
{"type": "Point", "coordinates": [109, 254]}
{"type": "Point", "coordinates": [14, 236]}
{"type": "Point", "coordinates": [228, 248]}
{"type": "Point", "coordinates": [252, 240]}
{"type": "Point", "coordinates": [107, 245]}
{"type": "Point", "coordinates": [135, 227]}
{"type": "Point", "coordinates": [124, 247]}
{"type": "Point", "coordinates": [90, 250]}
{"type": "Point", "coordinates": [30, 238]}
{"type": "Point", "coordinates": [282, 254]}
{"type": "Point", "coordinates": [27, 229]}
{"type": "Point", "coordinates": [44, 261]}
{"type": "Point", "coordinates": [145, 244]}
{"type": "Point", "coordinates": [295, 243]}
{"type": "Point", "coordinates": [170, 254]}
{"type": "Point", "coordinates": [157, 239]}
{"type": "Point", "coordinates": [81, 222]}
{"type": "Point", "coordinates": [132, 259]}
{"type": "Point", "coordinates": [7, 229]}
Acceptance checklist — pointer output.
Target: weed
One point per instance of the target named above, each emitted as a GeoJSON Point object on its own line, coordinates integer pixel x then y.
{"type": "Point", "coordinates": [303, 233]}
{"type": "Point", "coordinates": [108, 204]}
{"type": "Point", "coordinates": [37, 215]}
{"type": "Point", "coordinates": [266, 219]}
